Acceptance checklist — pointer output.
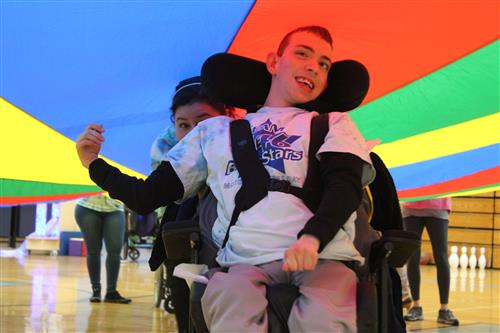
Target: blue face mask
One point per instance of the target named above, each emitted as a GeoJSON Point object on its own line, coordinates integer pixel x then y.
{"type": "Point", "coordinates": [163, 143]}
{"type": "Point", "coordinates": [169, 135]}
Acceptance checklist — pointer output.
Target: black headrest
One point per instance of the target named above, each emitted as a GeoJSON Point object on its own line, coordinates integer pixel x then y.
{"type": "Point", "coordinates": [244, 83]}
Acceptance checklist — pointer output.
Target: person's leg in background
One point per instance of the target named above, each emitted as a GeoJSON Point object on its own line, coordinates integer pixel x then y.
{"type": "Point", "coordinates": [113, 233]}
{"type": "Point", "coordinates": [438, 234]}
{"type": "Point", "coordinates": [405, 287]}
{"type": "Point", "coordinates": [90, 223]}
{"type": "Point", "coordinates": [415, 224]}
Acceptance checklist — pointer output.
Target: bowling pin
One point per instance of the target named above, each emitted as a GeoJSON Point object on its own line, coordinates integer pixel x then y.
{"type": "Point", "coordinates": [453, 259]}
{"type": "Point", "coordinates": [472, 258]}
{"type": "Point", "coordinates": [482, 259]}
{"type": "Point", "coordinates": [464, 260]}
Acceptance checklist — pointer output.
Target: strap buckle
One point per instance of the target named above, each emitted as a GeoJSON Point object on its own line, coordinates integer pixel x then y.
{"type": "Point", "coordinates": [278, 185]}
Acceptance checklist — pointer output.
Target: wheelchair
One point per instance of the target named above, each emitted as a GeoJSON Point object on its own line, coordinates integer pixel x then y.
{"type": "Point", "coordinates": [140, 231]}
{"type": "Point", "coordinates": [378, 288]}
{"type": "Point", "coordinates": [244, 83]}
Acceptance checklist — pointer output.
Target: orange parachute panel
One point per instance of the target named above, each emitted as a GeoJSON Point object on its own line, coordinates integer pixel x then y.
{"type": "Point", "coordinates": [398, 41]}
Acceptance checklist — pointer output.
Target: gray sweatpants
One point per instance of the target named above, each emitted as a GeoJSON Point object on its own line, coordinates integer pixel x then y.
{"type": "Point", "coordinates": [236, 301]}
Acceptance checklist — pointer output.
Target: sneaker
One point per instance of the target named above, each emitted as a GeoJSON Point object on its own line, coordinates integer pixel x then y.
{"type": "Point", "coordinates": [115, 297]}
{"type": "Point", "coordinates": [414, 314]}
{"type": "Point", "coordinates": [96, 295]}
{"type": "Point", "coordinates": [407, 303]}
{"type": "Point", "coordinates": [447, 317]}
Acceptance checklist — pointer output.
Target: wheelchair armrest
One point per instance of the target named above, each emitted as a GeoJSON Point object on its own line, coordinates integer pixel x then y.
{"type": "Point", "coordinates": [179, 226]}
{"type": "Point", "coordinates": [180, 238]}
{"type": "Point", "coordinates": [396, 246]}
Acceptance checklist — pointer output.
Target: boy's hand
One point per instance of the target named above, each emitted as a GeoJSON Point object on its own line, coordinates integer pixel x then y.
{"type": "Point", "coordinates": [303, 255]}
{"type": "Point", "coordinates": [89, 143]}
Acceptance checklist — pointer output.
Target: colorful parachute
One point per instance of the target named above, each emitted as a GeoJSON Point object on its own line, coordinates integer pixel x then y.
{"type": "Point", "coordinates": [433, 100]}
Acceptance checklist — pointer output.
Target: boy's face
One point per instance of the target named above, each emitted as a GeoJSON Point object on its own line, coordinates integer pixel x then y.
{"type": "Point", "coordinates": [300, 74]}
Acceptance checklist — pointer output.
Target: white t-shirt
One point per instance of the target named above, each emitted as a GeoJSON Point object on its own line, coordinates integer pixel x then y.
{"type": "Point", "coordinates": [263, 232]}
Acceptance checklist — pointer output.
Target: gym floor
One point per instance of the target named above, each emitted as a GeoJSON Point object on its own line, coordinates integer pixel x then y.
{"type": "Point", "coordinates": [42, 293]}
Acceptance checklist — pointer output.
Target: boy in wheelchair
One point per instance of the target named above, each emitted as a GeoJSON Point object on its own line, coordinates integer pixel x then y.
{"type": "Point", "coordinates": [273, 236]}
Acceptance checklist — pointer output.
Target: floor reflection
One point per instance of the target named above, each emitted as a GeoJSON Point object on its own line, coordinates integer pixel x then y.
{"type": "Point", "coordinates": [50, 294]}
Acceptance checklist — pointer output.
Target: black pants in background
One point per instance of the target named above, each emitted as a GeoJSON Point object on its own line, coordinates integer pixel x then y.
{"type": "Point", "coordinates": [438, 234]}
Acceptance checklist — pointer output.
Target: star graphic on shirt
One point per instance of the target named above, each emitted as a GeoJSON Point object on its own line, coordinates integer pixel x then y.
{"type": "Point", "coordinates": [273, 145]}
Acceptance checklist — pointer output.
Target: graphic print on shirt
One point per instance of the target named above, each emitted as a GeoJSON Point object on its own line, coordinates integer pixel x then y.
{"type": "Point", "coordinates": [273, 148]}
{"type": "Point", "coordinates": [273, 145]}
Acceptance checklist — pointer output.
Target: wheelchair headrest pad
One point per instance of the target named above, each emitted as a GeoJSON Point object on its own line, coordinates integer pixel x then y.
{"type": "Point", "coordinates": [244, 83]}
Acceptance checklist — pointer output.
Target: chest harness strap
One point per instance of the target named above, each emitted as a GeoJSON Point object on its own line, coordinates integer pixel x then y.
{"type": "Point", "coordinates": [255, 179]}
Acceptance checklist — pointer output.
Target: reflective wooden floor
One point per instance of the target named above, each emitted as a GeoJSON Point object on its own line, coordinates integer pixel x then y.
{"type": "Point", "coordinates": [41, 293]}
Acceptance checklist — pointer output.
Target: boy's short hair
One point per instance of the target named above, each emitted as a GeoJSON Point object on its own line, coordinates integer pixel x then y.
{"type": "Point", "coordinates": [317, 30]}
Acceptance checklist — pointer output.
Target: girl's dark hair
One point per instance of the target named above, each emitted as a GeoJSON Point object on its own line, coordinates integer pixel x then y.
{"type": "Point", "coordinates": [189, 91]}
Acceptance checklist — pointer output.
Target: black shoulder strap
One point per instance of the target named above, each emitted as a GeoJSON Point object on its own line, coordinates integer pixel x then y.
{"type": "Point", "coordinates": [254, 176]}
{"type": "Point", "coordinates": [312, 185]}
{"type": "Point", "coordinates": [255, 179]}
